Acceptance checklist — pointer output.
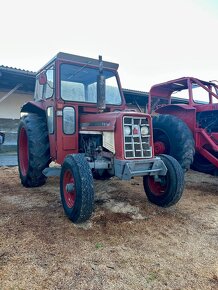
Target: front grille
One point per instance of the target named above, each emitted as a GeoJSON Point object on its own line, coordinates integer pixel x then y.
{"type": "Point", "coordinates": [136, 145]}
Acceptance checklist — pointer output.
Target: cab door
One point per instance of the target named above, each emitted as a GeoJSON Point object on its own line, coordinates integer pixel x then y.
{"type": "Point", "coordinates": [67, 136]}
{"type": "Point", "coordinates": [67, 130]}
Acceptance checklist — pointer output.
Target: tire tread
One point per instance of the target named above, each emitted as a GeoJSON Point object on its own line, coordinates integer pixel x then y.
{"type": "Point", "coordinates": [84, 185]}
{"type": "Point", "coordinates": [176, 187]}
{"type": "Point", "coordinates": [38, 147]}
{"type": "Point", "coordinates": [182, 145]}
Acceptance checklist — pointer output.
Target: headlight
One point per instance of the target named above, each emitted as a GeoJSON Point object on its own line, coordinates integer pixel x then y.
{"type": "Point", "coordinates": [144, 130]}
{"type": "Point", "coordinates": [127, 130]}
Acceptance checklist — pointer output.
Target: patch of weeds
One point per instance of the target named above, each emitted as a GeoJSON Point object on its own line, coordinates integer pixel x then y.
{"type": "Point", "coordinates": [99, 245]}
{"type": "Point", "coordinates": [151, 277]}
{"type": "Point", "coordinates": [214, 279]}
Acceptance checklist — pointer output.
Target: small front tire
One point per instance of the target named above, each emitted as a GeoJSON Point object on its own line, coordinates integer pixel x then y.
{"type": "Point", "coordinates": [168, 190]}
{"type": "Point", "coordinates": [76, 188]}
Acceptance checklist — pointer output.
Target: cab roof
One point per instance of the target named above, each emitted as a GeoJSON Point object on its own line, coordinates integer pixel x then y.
{"type": "Point", "coordinates": [82, 60]}
{"type": "Point", "coordinates": [167, 88]}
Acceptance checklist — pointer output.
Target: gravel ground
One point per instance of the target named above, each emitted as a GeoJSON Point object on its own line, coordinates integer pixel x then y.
{"type": "Point", "coordinates": [127, 244]}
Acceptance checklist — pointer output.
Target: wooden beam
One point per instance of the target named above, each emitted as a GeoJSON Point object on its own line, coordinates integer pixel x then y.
{"type": "Point", "coordinates": [9, 93]}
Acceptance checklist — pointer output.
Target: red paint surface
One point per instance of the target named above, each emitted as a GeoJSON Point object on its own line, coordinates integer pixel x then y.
{"type": "Point", "coordinates": [157, 188]}
{"type": "Point", "coordinates": [69, 197]}
{"type": "Point", "coordinates": [23, 151]}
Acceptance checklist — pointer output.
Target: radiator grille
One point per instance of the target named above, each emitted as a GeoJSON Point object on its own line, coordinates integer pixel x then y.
{"type": "Point", "coordinates": [136, 142]}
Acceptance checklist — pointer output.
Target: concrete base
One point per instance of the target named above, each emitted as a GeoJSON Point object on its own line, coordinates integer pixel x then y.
{"type": "Point", "coordinates": [9, 128]}
{"type": "Point", "coordinates": [4, 148]}
{"type": "Point", "coordinates": [9, 159]}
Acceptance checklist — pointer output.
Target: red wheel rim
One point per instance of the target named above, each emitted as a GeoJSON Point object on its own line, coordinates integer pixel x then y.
{"type": "Point", "coordinates": [158, 188]}
{"type": "Point", "coordinates": [69, 195]}
{"type": "Point", "coordinates": [159, 148]}
{"type": "Point", "coordinates": [23, 151]}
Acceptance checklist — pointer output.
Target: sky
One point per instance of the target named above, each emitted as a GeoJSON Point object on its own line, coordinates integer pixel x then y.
{"type": "Point", "coordinates": [153, 41]}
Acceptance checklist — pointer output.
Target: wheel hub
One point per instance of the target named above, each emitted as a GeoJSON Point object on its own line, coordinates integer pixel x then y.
{"type": "Point", "coordinates": [159, 148]}
{"type": "Point", "coordinates": [70, 187]}
{"type": "Point", "coordinates": [158, 187]}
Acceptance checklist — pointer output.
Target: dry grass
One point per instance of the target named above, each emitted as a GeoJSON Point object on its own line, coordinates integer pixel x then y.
{"type": "Point", "coordinates": [128, 243]}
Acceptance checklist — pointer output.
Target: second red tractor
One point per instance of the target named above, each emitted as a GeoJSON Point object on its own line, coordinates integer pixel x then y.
{"type": "Point", "coordinates": [186, 129]}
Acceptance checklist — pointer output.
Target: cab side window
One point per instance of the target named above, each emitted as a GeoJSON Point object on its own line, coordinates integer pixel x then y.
{"type": "Point", "coordinates": [38, 91]}
{"type": "Point", "coordinates": [50, 119]}
{"type": "Point", "coordinates": [49, 86]}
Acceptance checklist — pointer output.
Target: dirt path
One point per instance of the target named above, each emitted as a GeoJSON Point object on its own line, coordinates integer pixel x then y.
{"type": "Point", "coordinates": [128, 244]}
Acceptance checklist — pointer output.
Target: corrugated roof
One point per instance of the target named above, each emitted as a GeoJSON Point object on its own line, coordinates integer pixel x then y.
{"type": "Point", "coordinates": [14, 69]}
{"type": "Point", "coordinates": [10, 77]}
{"type": "Point", "coordinates": [129, 91]}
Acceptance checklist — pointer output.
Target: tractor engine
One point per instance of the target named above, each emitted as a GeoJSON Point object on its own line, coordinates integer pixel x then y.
{"type": "Point", "coordinates": [91, 145]}
{"type": "Point", "coordinates": [100, 159]}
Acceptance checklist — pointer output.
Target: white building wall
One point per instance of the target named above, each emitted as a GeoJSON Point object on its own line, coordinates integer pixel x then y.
{"type": "Point", "coordinates": [10, 107]}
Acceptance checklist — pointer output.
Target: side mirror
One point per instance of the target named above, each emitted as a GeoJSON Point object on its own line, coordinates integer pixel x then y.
{"type": "Point", "coordinates": [42, 78]}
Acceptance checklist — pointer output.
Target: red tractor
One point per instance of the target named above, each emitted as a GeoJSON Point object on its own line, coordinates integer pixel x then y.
{"type": "Point", "coordinates": [79, 119]}
{"type": "Point", "coordinates": [186, 129]}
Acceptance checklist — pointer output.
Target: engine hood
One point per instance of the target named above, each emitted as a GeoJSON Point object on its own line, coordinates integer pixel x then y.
{"type": "Point", "coordinates": [105, 121]}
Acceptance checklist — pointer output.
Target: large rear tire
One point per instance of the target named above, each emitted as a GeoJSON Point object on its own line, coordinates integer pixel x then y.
{"type": "Point", "coordinates": [168, 190]}
{"type": "Point", "coordinates": [33, 150]}
{"type": "Point", "coordinates": [201, 164]}
{"type": "Point", "coordinates": [76, 188]}
{"type": "Point", "coordinates": [173, 137]}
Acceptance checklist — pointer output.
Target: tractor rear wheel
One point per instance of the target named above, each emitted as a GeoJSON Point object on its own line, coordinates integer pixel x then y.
{"type": "Point", "coordinates": [173, 137]}
{"type": "Point", "coordinates": [201, 164]}
{"type": "Point", "coordinates": [76, 188]}
{"type": "Point", "coordinates": [33, 150]}
{"type": "Point", "coordinates": [168, 190]}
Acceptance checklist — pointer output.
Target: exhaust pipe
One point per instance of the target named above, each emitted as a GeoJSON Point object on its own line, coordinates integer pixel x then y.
{"type": "Point", "coordinates": [101, 103]}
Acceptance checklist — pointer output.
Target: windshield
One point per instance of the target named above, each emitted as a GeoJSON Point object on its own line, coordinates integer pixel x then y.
{"type": "Point", "coordinates": [200, 95]}
{"type": "Point", "coordinates": [79, 84]}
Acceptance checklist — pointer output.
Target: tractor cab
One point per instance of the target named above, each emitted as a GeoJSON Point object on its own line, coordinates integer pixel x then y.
{"type": "Point", "coordinates": [71, 78]}
{"type": "Point", "coordinates": [70, 87]}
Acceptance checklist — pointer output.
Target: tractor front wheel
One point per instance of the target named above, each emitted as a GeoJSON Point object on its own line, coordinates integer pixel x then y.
{"type": "Point", "coordinates": [168, 189]}
{"type": "Point", "coordinates": [76, 188]}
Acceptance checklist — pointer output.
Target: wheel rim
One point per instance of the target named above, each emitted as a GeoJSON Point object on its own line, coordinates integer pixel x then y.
{"type": "Point", "coordinates": [69, 188]}
{"type": "Point", "coordinates": [159, 148]}
{"type": "Point", "coordinates": [161, 142]}
{"type": "Point", "coordinates": [23, 151]}
{"type": "Point", "coordinates": [158, 188]}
